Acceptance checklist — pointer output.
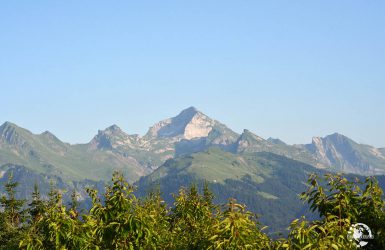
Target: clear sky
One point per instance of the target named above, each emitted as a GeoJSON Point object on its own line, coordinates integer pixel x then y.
{"type": "Point", "coordinates": [286, 69]}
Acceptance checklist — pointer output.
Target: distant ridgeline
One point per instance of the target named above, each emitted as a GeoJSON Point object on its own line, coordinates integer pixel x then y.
{"type": "Point", "coordinates": [266, 175]}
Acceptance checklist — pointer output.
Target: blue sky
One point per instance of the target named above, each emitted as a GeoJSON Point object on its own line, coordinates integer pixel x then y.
{"type": "Point", "coordinates": [287, 69]}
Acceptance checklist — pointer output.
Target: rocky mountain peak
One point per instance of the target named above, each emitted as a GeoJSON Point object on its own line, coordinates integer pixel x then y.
{"type": "Point", "coordinates": [248, 135]}
{"type": "Point", "coordinates": [340, 152]}
{"type": "Point", "coordinates": [49, 136]}
{"type": "Point", "coordinates": [335, 140]}
{"type": "Point", "coordinates": [189, 112]}
{"type": "Point", "coordinates": [9, 133]}
{"type": "Point", "coordinates": [114, 137]}
{"type": "Point", "coordinates": [7, 125]}
{"type": "Point", "coordinates": [106, 138]}
{"type": "Point", "coordinates": [249, 141]}
{"type": "Point", "coordinates": [339, 139]}
{"type": "Point", "coordinates": [111, 130]}
{"type": "Point", "coordinates": [188, 124]}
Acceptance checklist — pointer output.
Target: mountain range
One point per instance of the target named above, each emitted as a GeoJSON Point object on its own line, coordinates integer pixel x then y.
{"type": "Point", "coordinates": [189, 132]}
{"type": "Point", "coordinates": [265, 174]}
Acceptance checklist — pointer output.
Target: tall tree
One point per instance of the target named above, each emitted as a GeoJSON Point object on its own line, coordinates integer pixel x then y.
{"type": "Point", "coordinates": [12, 216]}
{"type": "Point", "coordinates": [37, 205]}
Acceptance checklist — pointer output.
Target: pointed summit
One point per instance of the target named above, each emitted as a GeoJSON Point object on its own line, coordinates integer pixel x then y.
{"type": "Point", "coordinates": [8, 132]}
{"type": "Point", "coordinates": [189, 112]}
{"type": "Point", "coordinates": [113, 137]}
{"type": "Point", "coordinates": [188, 124]}
{"type": "Point", "coordinates": [344, 154]}
{"type": "Point", "coordinates": [113, 129]}
{"type": "Point", "coordinates": [13, 134]}
{"type": "Point", "coordinates": [191, 124]}
{"type": "Point", "coordinates": [339, 138]}
{"type": "Point", "coordinates": [250, 142]}
{"type": "Point", "coordinates": [48, 135]}
{"type": "Point", "coordinates": [248, 135]}
{"type": "Point", "coordinates": [7, 125]}
{"type": "Point", "coordinates": [334, 140]}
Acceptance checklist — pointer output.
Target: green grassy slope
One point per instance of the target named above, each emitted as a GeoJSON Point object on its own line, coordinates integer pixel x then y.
{"type": "Point", "coordinates": [45, 153]}
{"type": "Point", "coordinates": [268, 184]}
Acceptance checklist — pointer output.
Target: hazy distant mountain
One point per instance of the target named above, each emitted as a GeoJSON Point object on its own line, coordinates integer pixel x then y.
{"type": "Point", "coordinates": [251, 143]}
{"type": "Point", "coordinates": [334, 152]}
{"type": "Point", "coordinates": [346, 155]}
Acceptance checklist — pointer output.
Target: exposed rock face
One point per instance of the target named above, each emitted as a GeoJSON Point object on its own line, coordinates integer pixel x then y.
{"type": "Point", "coordinates": [199, 126]}
{"type": "Point", "coordinates": [9, 134]}
{"type": "Point", "coordinates": [114, 137]}
{"type": "Point", "coordinates": [190, 131]}
{"type": "Point", "coordinates": [173, 126]}
{"type": "Point", "coordinates": [250, 142]}
{"type": "Point", "coordinates": [189, 124]}
{"type": "Point", "coordinates": [378, 152]}
{"type": "Point", "coordinates": [319, 149]}
{"type": "Point", "coordinates": [106, 138]}
{"type": "Point", "coordinates": [344, 154]}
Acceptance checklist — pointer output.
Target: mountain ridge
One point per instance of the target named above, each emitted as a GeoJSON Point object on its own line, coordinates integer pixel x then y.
{"type": "Point", "coordinates": [265, 174]}
{"type": "Point", "coordinates": [188, 132]}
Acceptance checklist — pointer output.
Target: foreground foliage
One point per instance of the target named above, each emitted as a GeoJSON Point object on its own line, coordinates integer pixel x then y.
{"type": "Point", "coordinates": [118, 220]}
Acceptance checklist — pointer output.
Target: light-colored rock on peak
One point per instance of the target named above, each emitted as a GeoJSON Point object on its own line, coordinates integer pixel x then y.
{"type": "Point", "coordinates": [189, 124]}
{"type": "Point", "coordinates": [320, 149]}
{"type": "Point", "coordinates": [199, 126]}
